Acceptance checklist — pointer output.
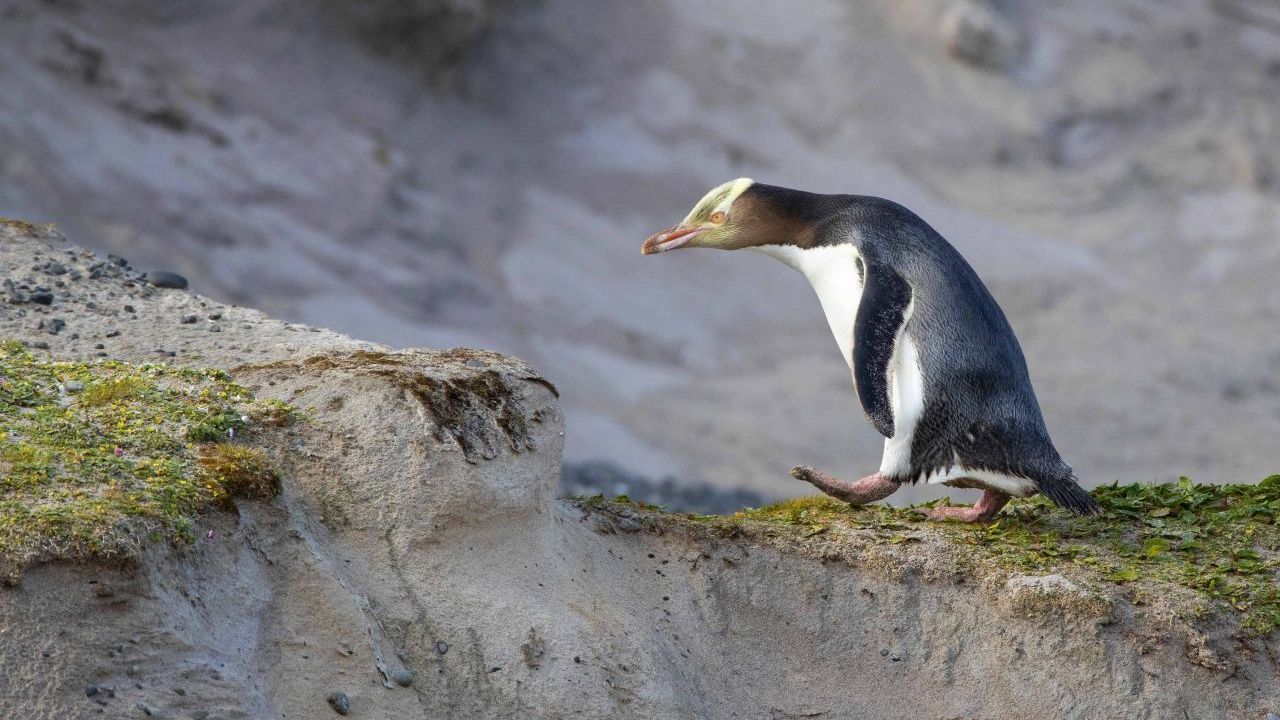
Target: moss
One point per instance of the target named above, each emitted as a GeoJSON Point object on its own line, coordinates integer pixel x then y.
{"type": "Point", "coordinates": [1181, 550]}
{"type": "Point", "coordinates": [95, 457]}
{"type": "Point", "coordinates": [229, 471]}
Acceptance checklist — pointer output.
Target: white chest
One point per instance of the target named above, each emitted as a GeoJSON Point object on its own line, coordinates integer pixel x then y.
{"type": "Point", "coordinates": [833, 273]}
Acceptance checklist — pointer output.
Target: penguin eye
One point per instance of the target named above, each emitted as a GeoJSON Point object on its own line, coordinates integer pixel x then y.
{"type": "Point", "coordinates": [718, 217]}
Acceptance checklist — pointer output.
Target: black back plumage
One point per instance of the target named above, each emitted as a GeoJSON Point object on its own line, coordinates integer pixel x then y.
{"type": "Point", "coordinates": [979, 403]}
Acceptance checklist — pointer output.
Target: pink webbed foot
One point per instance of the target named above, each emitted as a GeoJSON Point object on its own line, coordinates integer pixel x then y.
{"type": "Point", "coordinates": [984, 511]}
{"type": "Point", "coordinates": [867, 490]}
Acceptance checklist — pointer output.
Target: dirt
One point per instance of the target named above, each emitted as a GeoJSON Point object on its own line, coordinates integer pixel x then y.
{"type": "Point", "coordinates": [392, 549]}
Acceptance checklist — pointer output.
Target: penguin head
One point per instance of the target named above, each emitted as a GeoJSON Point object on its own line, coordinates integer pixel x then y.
{"type": "Point", "coordinates": [722, 219]}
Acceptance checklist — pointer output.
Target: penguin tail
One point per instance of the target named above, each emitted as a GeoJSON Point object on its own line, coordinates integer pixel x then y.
{"type": "Point", "coordinates": [1065, 491]}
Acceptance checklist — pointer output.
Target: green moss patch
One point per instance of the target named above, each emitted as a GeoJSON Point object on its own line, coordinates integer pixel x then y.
{"type": "Point", "coordinates": [95, 457]}
{"type": "Point", "coordinates": [1186, 549]}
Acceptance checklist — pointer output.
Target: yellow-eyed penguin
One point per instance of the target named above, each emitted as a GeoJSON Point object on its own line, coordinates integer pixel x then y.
{"type": "Point", "coordinates": [935, 364]}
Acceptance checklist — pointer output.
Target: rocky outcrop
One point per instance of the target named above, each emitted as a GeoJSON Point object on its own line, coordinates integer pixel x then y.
{"type": "Point", "coordinates": [419, 562]}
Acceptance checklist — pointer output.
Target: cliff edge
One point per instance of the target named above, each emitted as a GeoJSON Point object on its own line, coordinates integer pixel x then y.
{"type": "Point", "coordinates": [413, 560]}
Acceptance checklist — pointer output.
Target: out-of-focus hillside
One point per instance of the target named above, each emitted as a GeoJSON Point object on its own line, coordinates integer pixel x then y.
{"type": "Point", "coordinates": [480, 173]}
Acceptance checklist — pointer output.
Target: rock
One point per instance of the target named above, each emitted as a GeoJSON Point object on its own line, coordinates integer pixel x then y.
{"type": "Point", "coordinates": [442, 647]}
{"type": "Point", "coordinates": [190, 319]}
{"type": "Point", "coordinates": [977, 33]}
{"type": "Point", "coordinates": [340, 703]}
{"type": "Point", "coordinates": [166, 279]}
{"type": "Point", "coordinates": [91, 691]}
{"type": "Point", "coordinates": [42, 297]}
{"type": "Point", "coordinates": [73, 386]}
{"type": "Point", "coordinates": [56, 268]}
{"type": "Point", "coordinates": [402, 677]}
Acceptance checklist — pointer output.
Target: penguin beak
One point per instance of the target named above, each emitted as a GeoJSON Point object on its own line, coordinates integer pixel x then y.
{"type": "Point", "coordinates": [669, 239]}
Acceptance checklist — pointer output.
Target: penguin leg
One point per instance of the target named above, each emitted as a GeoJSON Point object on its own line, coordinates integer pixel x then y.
{"type": "Point", "coordinates": [867, 490]}
{"type": "Point", "coordinates": [984, 511]}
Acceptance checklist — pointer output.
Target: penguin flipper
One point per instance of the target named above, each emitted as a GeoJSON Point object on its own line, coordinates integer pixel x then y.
{"type": "Point", "coordinates": [882, 312]}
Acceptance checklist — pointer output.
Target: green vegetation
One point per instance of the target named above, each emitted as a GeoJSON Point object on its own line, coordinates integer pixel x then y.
{"type": "Point", "coordinates": [95, 456]}
{"type": "Point", "coordinates": [1216, 544]}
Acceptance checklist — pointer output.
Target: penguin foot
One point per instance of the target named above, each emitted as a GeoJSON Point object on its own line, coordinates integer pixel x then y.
{"type": "Point", "coordinates": [984, 511]}
{"type": "Point", "coordinates": [867, 490]}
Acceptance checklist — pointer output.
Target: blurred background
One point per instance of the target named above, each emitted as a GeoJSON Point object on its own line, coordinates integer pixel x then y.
{"type": "Point", "coordinates": [482, 172]}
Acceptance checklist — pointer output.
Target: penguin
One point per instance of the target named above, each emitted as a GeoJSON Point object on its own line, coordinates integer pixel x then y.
{"type": "Point", "coordinates": [935, 364]}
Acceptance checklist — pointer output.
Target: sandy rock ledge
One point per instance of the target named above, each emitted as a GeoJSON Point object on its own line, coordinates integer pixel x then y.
{"type": "Point", "coordinates": [419, 562]}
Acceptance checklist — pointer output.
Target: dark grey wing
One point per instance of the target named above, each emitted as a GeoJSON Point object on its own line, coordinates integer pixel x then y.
{"type": "Point", "coordinates": [881, 313]}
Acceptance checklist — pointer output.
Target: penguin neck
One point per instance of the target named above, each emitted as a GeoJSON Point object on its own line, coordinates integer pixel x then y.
{"type": "Point", "coordinates": [832, 270]}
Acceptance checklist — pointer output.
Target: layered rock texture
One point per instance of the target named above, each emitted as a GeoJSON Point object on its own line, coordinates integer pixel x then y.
{"type": "Point", "coordinates": [418, 563]}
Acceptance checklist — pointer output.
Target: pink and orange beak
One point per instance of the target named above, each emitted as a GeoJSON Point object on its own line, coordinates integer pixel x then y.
{"type": "Point", "coordinates": [669, 239]}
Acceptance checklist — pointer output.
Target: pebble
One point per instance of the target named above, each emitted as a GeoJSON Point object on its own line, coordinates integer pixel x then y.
{"type": "Point", "coordinates": [442, 647]}
{"type": "Point", "coordinates": [56, 268]}
{"type": "Point", "coordinates": [73, 386]}
{"type": "Point", "coordinates": [166, 279]}
{"type": "Point", "coordinates": [40, 344]}
{"type": "Point", "coordinates": [91, 691]}
{"type": "Point", "coordinates": [42, 297]}
{"type": "Point", "coordinates": [340, 703]}
{"type": "Point", "coordinates": [190, 320]}
{"type": "Point", "coordinates": [215, 328]}
{"type": "Point", "coordinates": [113, 333]}
{"type": "Point", "coordinates": [145, 710]}
{"type": "Point", "coordinates": [402, 677]}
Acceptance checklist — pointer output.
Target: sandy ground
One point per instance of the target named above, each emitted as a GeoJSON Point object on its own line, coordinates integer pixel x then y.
{"type": "Point", "coordinates": [1110, 169]}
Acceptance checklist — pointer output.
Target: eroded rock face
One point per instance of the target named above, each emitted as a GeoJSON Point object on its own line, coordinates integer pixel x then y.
{"type": "Point", "coordinates": [418, 538]}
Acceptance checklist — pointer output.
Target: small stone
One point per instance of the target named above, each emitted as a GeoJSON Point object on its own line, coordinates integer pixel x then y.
{"type": "Point", "coordinates": [56, 326]}
{"type": "Point", "coordinates": [145, 710]}
{"type": "Point", "coordinates": [340, 703]}
{"type": "Point", "coordinates": [129, 309]}
{"type": "Point", "coordinates": [99, 346]}
{"type": "Point", "coordinates": [166, 279]}
{"type": "Point", "coordinates": [40, 344]}
{"type": "Point", "coordinates": [215, 316]}
{"type": "Point", "coordinates": [73, 386]}
{"type": "Point", "coordinates": [190, 320]}
{"type": "Point", "coordinates": [56, 268]}
{"type": "Point", "coordinates": [402, 677]}
{"type": "Point", "coordinates": [884, 652]}
{"type": "Point", "coordinates": [117, 260]}
{"type": "Point", "coordinates": [214, 327]}
{"type": "Point", "coordinates": [42, 297]}
{"type": "Point", "coordinates": [442, 647]}
{"type": "Point", "coordinates": [91, 691]}
{"type": "Point", "coordinates": [113, 333]}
